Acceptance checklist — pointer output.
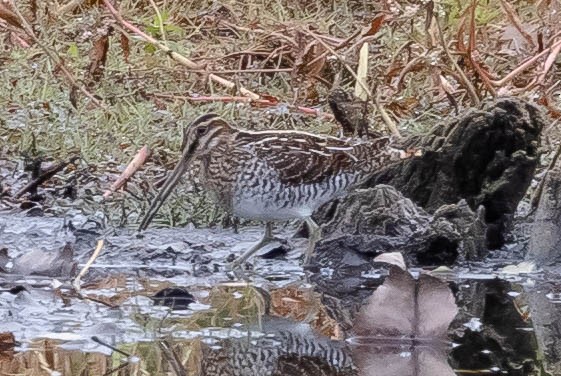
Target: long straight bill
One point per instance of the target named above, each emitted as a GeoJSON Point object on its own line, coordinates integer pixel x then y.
{"type": "Point", "coordinates": [167, 188]}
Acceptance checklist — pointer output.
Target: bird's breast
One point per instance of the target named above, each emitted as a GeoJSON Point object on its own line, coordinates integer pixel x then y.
{"type": "Point", "coordinates": [263, 196]}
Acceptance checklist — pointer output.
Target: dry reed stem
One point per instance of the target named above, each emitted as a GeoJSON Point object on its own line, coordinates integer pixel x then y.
{"type": "Point", "coordinates": [137, 162]}
{"type": "Point", "coordinates": [97, 251]}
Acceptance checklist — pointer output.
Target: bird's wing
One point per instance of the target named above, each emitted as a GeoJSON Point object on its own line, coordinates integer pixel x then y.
{"type": "Point", "coordinates": [304, 158]}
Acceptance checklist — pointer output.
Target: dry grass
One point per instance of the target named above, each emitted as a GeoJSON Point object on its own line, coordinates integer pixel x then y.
{"type": "Point", "coordinates": [290, 52]}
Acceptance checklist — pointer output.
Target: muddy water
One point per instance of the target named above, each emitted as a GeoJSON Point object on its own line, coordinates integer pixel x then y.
{"type": "Point", "coordinates": [276, 323]}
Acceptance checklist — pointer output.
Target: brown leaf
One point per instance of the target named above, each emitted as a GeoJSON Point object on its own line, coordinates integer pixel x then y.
{"type": "Point", "coordinates": [308, 62]}
{"type": "Point", "coordinates": [403, 306]}
{"type": "Point", "coordinates": [404, 106]}
{"type": "Point", "coordinates": [7, 344]}
{"type": "Point", "coordinates": [376, 24]}
{"type": "Point", "coordinates": [124, 40]}
{"type": "Point", "coordinates": [551, 109]}
{"type": "Point", "coordinates": [10, 17]}
{"type": "Point", "coordinates": [73, 97]}
{"type": "Point", "coordinates": [98, 57]}
{"type": "Point", "coordinates": [299, 303]}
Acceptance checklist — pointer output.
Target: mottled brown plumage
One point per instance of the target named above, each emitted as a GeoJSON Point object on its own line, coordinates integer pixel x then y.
{"type": "Point", "coordinates": [273, 175]}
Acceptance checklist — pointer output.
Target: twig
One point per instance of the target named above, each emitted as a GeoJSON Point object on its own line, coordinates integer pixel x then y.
{"type": "Point", "coordinates": [147, 38]}
{"type": "Point", "coordinates": [513, 18]}
{"type": "Point", "coordinates": [97, 340]}
{"type": "Point", "coordinates": [118, 368]}
{"type": "Point", "coordinates": [174, 55]}
{"type": "Point", "coordinates": [45, 175]}
{"type": "Point", "coordinates": [76, 282]}
{"type": "Point", "coordinates": [238, 71]}
{"type": "Point", "coordinates": [389, 122]}
{"type": "Point", "coordinates": [258, 102]}
{"type": "Point", "coordinates": [407, 68]}
{"type": "Point", "coordinates": [525, 65]}
{"type": "Point", "coordinates": [555, 49]}
{"type": "Point", "coordinates": [57, 60]}
{"type": "Point", "coordinates": [345, 64]}
{"type": "Point", "coordinates": [338, 47]}
{"type": "Point", "coordinates": [132, 167]}
{"type": "Point", "coordinates": [68, 7]}
{"type": "Point", "coordinates": [172, 358]}
{"type": "Point", "coordinates": [261, 31]}
{"type": "Point", "coordinates": [465, 81]}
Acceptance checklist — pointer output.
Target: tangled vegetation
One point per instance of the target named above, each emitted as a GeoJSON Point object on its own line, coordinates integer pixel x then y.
{"type": "Point", "coordinates": [100, 80]}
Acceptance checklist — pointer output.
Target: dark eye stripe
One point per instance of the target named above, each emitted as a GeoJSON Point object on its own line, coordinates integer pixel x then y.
{"type": "Point", "coordinates": [203, 119]}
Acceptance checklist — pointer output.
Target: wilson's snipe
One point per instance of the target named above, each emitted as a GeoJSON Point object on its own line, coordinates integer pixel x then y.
{"type": "Point", "coordinates": [273, 175]}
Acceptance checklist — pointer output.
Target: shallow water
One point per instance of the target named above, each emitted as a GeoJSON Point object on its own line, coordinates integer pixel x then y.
{"type": "Point", "coordinates": [277, 323]}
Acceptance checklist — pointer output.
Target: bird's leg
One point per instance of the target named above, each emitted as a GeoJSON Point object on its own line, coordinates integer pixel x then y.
{"type": "Point", "coordinates": [267, 238]}
{"type": "Point", "coordinates": [314, 236]}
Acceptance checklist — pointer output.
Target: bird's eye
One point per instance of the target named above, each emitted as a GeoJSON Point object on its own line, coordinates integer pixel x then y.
{"type": "Point", "coordinates": [201, 131]}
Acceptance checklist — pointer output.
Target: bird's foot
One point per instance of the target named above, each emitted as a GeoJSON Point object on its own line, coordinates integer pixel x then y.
{"type": "Point", "coordinates": [235, 270]}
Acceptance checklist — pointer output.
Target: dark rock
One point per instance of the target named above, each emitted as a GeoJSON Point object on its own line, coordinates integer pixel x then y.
{"type": "Point", "coordinates": [381, 219]}
{"type": "Point", "coordinates": [276, 250]}
{"type": "Point", "coordinates": [17, 289]}
{"type": "Point", "coordinates": [51, 264]}
{"type": "Point", "coordinates": [174, 297]}
{"type": "Point", "coordinates": [487, 157]}
{"type": "Point", "coordinates": [4, 259]}
{"type": "Point", "coordinates": [545, 235]}
{"type": "Point", "coordinates": [500, 337]}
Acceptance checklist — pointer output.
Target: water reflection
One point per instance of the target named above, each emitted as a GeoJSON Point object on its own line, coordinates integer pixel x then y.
{"type": "Point", "coordinates": [489, 337]}
{"type": "Point", "coordinates": [384, 359]}
{"type": "Point", "coordinates": [281, 324]}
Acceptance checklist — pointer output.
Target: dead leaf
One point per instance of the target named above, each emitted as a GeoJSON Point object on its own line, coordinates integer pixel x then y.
{"type": "Point", "coordinates": [309, 60]}
{"type": "Point", "coordinates": [392, 258]}
{"type": "Point", "coordinates": [10, 17]}
{"type": "Point", "coordinates": [124, 40]}
{"type": "Point", "coordinates": [405, 307]}
{"type": "Point", "coordinates": [376, 24]}
{"type": "Point", "coordinates": [7, 344]}
{"type": "Point", "coordinates": [7, 341]}
{"type": "Point", "coordinates": [430, 14]}
{"type": "Point", "coordinates": [98, 57]}
{"type": "Point", "coordinates": [300, 303]}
